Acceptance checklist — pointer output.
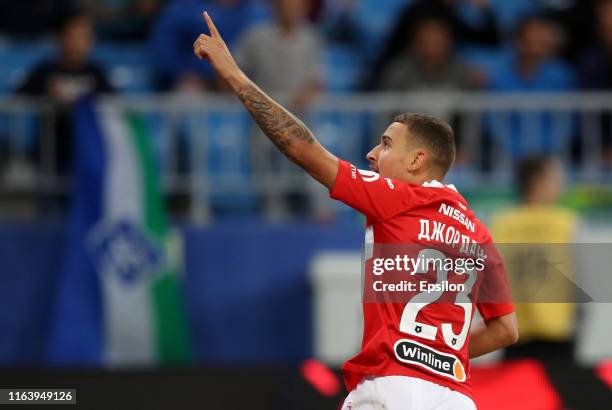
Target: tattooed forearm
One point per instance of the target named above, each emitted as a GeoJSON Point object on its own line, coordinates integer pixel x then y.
{"type": "Point", "coordinates": [279, 125]}
{"type": "Point", "coordinates": [286, 131]}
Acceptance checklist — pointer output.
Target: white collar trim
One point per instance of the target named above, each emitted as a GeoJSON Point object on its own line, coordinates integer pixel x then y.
{"type": "Point", "coordinates": [438, 184]}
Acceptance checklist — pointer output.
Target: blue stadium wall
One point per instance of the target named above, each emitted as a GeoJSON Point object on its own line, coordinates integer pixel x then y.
{"type": "Point", "coordinates": [246, 286]}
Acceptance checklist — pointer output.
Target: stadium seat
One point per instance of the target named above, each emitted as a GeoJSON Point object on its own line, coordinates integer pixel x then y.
{"type": "Point", "coordinates": [17, 60]}
{"type": "Point", "coordinates": [344, 134]}
{"type": "Point", "coordinates": [213, 145]}
{"type": "Point", "coordinates": [375, 19]}
{"type": "Point", "coordinates": [526, 133]}
{"type": "Point", "coordinates": [342, 69]}
{"type": "Point", "coordinates": [483, 58]}
{"type": "Point", "coordinates": [226, 160]}
{"type": "Point", "coordinates": [510, 12]}
{"type": "Point", "coordinates": [340, 132]}
{"type": "Point", "coordinates": [128, 66]}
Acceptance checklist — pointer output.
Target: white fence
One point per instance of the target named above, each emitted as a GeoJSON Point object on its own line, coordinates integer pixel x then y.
{"type": "Point", "coordinates": [209, 150]}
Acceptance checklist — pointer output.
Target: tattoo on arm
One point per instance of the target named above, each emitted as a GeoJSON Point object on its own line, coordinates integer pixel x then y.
{"type": "Point", "coordinates": [279, 125]}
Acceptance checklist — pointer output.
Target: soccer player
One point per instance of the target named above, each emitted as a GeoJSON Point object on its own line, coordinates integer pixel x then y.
{"type": "Point", "coordinates": [411, 355]}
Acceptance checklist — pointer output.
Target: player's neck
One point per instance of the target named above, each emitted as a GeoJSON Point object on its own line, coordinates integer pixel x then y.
{"type": "Point", "coordinates": [423, 178]}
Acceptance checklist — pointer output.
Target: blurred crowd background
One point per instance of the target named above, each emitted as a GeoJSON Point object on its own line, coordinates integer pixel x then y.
{"type": "Point", "coordinates": [259, 270]}
{"type": "Point", "coordinates": [314, 56]}
{"type": "Point", "coordinates": [445, 44]}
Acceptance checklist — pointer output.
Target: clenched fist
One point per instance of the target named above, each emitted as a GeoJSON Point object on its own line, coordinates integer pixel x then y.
{"type": "Point", "coordinates": [213, 48]}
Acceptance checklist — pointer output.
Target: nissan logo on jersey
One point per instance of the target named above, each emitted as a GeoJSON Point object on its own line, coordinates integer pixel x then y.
{"type": "Point", "coordinates": [409, 351]}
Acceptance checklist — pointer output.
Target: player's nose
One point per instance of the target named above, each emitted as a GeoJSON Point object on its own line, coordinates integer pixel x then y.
{"type": "Point", "coordinates": [372, 156]}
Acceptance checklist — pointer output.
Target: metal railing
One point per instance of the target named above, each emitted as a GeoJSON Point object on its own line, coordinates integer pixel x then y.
{"type": "Point", "coordinates": [209, 150]}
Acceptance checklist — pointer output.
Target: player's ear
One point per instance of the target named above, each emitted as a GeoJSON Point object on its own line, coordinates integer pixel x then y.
{"type": "Point", "coordinates": [416, 160]}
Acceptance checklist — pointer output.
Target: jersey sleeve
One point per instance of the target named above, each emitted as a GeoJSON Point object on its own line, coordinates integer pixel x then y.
{"type": "Point", "coordinates": [494, 296]}
{"type": "Point", "coordinates": [493, 310]}
{"type": "Point", "coordinates": [376, 197]}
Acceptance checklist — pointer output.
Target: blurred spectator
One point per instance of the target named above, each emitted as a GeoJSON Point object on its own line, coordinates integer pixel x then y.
{"type": "Point", "coordinates": [537, 240]}
{"type": "Point", "coordinates": [577, 17]}
{"type": "Point", "coordinates": [122, 19]}
{"type": "Point", "coordinates": [180, 22]}
{"type": "Point", "coordinates": [595, 73]}
{"type": "Point", "coordinates": [283, 57]}
{"type": "Point", "coordinates": [595, 64]}
{"type": "Point", "coordinates": [290, 41]}
{"type": "Point", "coordinates": [33, 18]}
{"type": "Point", "coordinates": [532, 66]}
{"type": "Point", "coordinates": [482, 30]}
{"type": "Point", "coordinates": [66, 78]}
{"type": "Point", "coordinates": [429, 64]}
{"type": "Point", "coordinates": [539, 220]}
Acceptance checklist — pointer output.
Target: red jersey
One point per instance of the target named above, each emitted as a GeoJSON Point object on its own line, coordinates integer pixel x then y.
{"type": "Point", "coordinates": [422, 338]}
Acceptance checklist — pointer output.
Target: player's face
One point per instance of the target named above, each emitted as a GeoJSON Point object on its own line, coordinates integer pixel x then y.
{"type": "Point", "coordinates": [390, 157]}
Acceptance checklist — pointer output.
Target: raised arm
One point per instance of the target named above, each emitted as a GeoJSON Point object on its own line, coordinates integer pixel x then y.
{"type": "Point", "coordinates": [286, 131]}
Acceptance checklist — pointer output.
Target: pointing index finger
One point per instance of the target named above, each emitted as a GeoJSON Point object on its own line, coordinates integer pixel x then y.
{"type": "Point", "coordinates": [211, 26]}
